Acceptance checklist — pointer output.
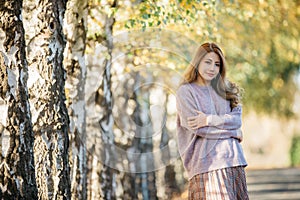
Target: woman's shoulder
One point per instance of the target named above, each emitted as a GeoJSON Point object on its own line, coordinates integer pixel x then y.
{"type": "Point", "coordinates": [193, 88]}
{"type": "Point", "coordinates": [184, 88]}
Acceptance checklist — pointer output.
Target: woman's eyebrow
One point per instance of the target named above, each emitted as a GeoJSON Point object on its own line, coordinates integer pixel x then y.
{"type": "Point", "coordinates": [210, 59]}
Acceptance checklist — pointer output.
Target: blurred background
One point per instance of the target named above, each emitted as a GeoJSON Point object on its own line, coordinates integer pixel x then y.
{"type": "Point", "coordinates": [152, 43]}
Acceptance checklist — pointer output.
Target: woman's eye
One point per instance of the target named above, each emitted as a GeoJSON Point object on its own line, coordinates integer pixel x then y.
{"type": "Point", "coordinates": [208, 62]}
{"type": "Point", "coordinates": [218, 65]}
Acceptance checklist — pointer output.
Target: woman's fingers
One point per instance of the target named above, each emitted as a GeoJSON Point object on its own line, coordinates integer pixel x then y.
{"type": "Point", "coordinates": [194, 124]}
{"type": "Point", "coordinates": [199, 112]}
{"type": "Point", "coordinates": [197, 121]}
{"type": "Point", "coordinates": [193, 118]}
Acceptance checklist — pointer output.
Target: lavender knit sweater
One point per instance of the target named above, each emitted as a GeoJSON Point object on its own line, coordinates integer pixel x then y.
{"type": "Point", "coordinates": [212, 147]}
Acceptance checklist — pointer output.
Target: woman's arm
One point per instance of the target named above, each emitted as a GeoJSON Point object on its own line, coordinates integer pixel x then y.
{"type": "Point", "coordinates": [228, 121]}
{"type": "Point", "coordinates": [186, 107]}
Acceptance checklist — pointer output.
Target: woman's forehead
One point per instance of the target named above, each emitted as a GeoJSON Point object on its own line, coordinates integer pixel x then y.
{"type": "Point", "coordinates": [212, 56]}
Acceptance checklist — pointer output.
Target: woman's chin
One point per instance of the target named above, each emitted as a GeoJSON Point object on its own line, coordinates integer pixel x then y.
{"type": "Point", "coordinates": [208, 79]}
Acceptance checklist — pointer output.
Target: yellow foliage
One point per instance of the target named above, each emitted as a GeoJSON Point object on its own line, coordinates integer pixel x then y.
{"type": "Point", "coordinates": [277, 83]}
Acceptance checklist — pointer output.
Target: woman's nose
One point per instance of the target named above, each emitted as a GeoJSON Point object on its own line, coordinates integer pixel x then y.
{"type": "Point", "coordinates": [212, 67]}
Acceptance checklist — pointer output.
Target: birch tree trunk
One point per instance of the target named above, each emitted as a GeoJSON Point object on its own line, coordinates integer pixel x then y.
{"type": "Point", "coordinates": [44, 20]}
{"type": "Point", "coordinates": [143, 144]}
{"type": "Point", "coordinates": [74, 62]}
{"type": "Point", "coordinates": [17, 175]}
{"type": "Point", "coordinates": [170, 183]}
{"type": "Point", "coordinates": [104, 97]}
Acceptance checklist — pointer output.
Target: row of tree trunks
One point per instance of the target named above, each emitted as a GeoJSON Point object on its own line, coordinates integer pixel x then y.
{"type": "Point", "coordinates": [45, 46]}
{"type": "Point", "coordinates": [36, 161]}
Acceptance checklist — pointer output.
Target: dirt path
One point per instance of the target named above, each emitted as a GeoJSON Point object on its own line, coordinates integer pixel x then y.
{"type": "Point", "coordinates": [274, 184]}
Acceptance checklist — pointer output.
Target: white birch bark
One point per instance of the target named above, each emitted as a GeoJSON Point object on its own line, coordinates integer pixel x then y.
{"type": "Point", "coordinates": [45, 47]}
{"type": "Point", "coordinates": [74, 62]}
{"type": "Point", "coordinates": [107, 174]}
{"type": "Point", "coordinates": [17, 175]}
{"type": "Point", "coordinates": [169, 183]}
{"type": "Point", "coordinates": [143, 144]}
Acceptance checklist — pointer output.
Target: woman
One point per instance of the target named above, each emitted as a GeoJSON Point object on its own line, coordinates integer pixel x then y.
{"type": "Point", "coordinates": [208, 128]}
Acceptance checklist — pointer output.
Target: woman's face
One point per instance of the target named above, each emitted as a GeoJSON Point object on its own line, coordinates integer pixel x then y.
{"type": "Point", "coordinates": [209, 67]}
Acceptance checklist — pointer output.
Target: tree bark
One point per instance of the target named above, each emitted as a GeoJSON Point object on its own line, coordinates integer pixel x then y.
{"type": "Point", "coordinates": [143, 144]}
{"type": "Point", "coordinates": [74, 62]}
{"type": "Point", "coordinates": [46, 42]}
{"type": "Point", "coordinates": [17, 175]}
{"type": "Point", "coordinates": [104, 98]}
{"type": "Point", "coordinates": [170, 183]}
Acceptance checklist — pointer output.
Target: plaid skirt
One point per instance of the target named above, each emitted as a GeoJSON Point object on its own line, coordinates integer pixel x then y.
{"type": "Point", "coordinates": [222, 184]}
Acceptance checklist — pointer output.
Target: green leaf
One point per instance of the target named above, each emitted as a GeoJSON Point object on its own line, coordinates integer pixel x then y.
{"type": "Point", "coordinates": [132, 22]}
{"type": "Point", "coordinates": [165, 21]}
{"type": "Point", "coordinates": [156, 13]}
{"type": "Point", "coordinates": [144, 25]}
{"type": "Point", "coordinates": [146, 16]}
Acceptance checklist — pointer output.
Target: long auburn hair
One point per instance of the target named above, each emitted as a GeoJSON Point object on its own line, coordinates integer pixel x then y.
{"type": "Point", "coordinates": [226, 89]}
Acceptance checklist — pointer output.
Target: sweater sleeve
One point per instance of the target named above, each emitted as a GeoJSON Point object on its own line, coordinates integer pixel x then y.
{"type": "Point", "coordinates": [228, 121]}
{"type": "Point", "coordinates": [186, 107]}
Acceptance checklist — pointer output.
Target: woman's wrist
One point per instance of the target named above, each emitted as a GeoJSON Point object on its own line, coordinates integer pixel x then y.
{"type": "Point", "coordinates": [208, 120]}
{"type": "Point", "coordinates": [214, 120]}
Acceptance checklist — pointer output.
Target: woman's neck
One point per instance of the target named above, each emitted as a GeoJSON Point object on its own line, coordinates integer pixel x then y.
{"type": "Point", "coordinates": [202, 82]}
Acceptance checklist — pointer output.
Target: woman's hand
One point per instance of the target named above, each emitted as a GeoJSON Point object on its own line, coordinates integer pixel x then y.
{"type": "Point", "coordinates": [240, 135]}
{"type": "Point", "coordinates": [197, 121]}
